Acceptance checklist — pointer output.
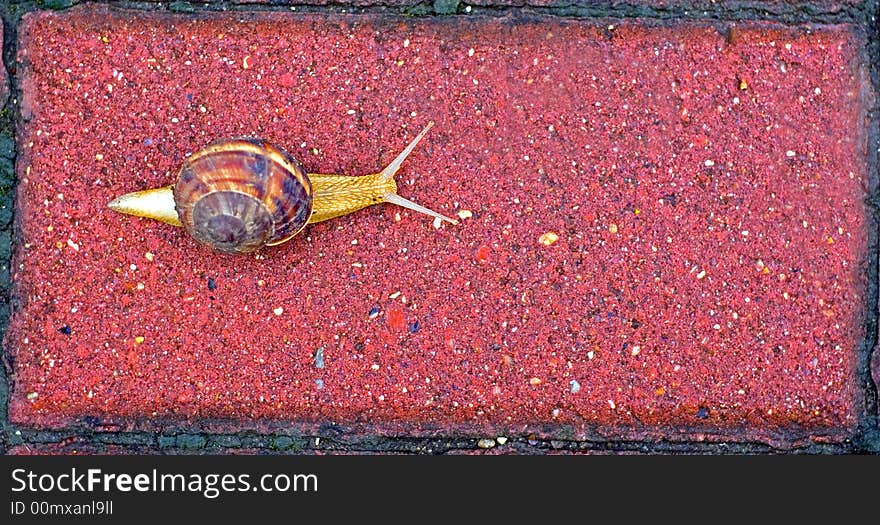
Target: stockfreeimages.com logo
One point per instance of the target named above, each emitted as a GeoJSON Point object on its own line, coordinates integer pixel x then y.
{"type": "Point", "coordinates": [209, 485]}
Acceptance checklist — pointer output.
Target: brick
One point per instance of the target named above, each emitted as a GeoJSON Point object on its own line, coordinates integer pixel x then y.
{"type": "Point", "coordinates": [457, 6]}
{"type": "Point", "coordinates": [706, 185]}
{"type": "Point", "coordinates": [764, 5]}
{"type": "Point", "coordinates": [85, 448]}
{"type": "Point", "coordinates": [4, 80]}
{"type": "Point", "coordinates": [75, 447]}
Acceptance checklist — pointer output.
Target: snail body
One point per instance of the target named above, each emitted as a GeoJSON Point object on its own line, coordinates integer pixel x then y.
{"type": "Point", "coordinates": [238, 195]}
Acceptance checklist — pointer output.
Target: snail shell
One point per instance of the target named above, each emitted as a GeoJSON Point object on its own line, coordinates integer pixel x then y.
{"type": "Point", "coordinates": [241, 194]}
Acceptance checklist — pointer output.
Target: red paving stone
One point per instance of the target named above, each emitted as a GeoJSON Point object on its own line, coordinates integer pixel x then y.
{"type": "Point", "coordinates": [4, 80]}
{"type": "Point", "coordinates": [706, 188]}
{"type": "Point", "coordinates": [74, 448]}
{"type": "Point", "coordinates": [78, 447]}
{"type": "Point", "coordinates": [453, 6]}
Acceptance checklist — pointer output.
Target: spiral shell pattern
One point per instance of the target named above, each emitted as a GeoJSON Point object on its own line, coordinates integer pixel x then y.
{"type": "Point", "coordinates": [239, 195]}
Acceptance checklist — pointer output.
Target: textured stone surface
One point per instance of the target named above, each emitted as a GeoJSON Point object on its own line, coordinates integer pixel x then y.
{"type": "Point", "coordinates": [705, 185]}
{"type": "Point", "coordinates": [4, 79]}
{"type": "Point", "coordinates": [456, 6]}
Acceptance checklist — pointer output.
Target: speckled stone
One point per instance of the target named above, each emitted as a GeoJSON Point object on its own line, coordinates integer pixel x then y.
{"type": "Point", "coordinates": [4, 79]}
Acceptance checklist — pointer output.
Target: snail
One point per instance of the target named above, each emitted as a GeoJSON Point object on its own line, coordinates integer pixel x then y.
{"type": "Point", "coordinates": [238, 195]}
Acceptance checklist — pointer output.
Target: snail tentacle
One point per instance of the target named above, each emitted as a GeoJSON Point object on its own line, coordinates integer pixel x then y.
{"type": "Point", "coordinates": [391, 169]}
{"type": "Point", "coordinates": [394, 198]}
{"type": "Point", "coordinates": [387, 175]}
